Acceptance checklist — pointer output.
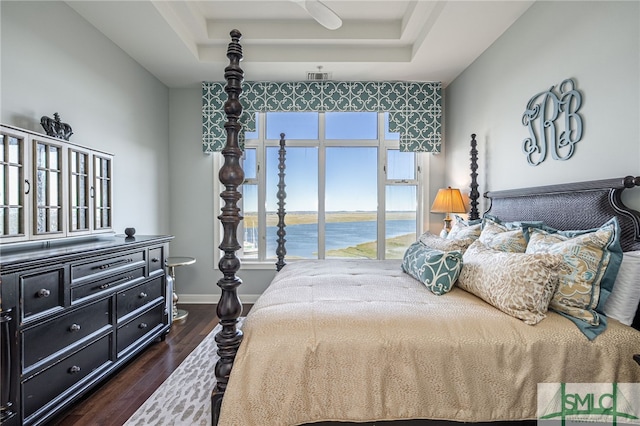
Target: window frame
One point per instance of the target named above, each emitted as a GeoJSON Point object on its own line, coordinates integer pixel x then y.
{"type": "Point", "coordinates": [260, 144]}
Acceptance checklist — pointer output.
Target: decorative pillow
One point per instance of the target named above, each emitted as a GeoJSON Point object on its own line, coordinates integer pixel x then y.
{"type": "Point", "coordinates": [435, 242]}
{"type": "Point", "coordinates": [514, 224]}
{"type": "Point", "coordinates": [438, 270]}
{"type": "Point", "coordinates": [622, 304]}
{"type": "Point", "coordinates": [462, 229]}
{"type": "Point", "coordinates": [592, 259]}
{"type": "Point", "coordinates": [518, 284]}
{"type": "Point", "coordinates": [500, 237]}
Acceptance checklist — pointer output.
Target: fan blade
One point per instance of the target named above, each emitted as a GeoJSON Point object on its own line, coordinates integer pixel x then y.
{"type": "Point", "coordinates": [323, 14]}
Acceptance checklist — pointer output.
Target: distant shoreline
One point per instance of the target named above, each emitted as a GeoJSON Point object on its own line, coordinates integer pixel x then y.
{"type": "Point", "coordinates": [395, 248]}
{"type": "Point", "coordinates": [303, 218]}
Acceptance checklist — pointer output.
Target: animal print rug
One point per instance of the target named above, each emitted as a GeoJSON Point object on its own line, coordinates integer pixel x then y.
{"type": "Point", "coordinates": [185, 397]}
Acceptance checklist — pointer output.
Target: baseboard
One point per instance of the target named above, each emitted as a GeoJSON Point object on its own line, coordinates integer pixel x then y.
{"type": "Point", "coordinates": [211, 299]}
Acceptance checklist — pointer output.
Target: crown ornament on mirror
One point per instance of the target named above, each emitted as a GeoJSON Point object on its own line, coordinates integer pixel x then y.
{"type": "Point", "coordinates": [55, 127]}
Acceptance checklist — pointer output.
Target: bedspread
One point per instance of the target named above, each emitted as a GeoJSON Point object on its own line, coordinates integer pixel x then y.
{"type": "Point", "coordinates": [355, 340]}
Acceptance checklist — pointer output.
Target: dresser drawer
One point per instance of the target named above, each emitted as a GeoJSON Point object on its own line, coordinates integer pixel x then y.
{"type": "Point", "coordinates": [106, 284]}
{"type": "Point", "coordinates": [105, 265]}
{"type": "Point", "coordinates": [49, 337]}
{"type": "Point", "coordinates": [42, 291]}
{"type": "Point", "coordinates": [156, 259]}
{"type": "Point", "coordinates": [44, 387]}
{"type": "Point", "coordinates": [138, 327]}
{"type": "Point", "coordinates": [136, 297]}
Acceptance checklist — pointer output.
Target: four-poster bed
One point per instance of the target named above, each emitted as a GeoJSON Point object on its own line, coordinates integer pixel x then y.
{"type": "Point", "coordinates": [362, 341]}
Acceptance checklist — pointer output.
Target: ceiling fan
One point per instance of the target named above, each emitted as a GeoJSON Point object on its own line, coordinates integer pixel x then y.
{"type": "Point", "coordinates": [321, 13]}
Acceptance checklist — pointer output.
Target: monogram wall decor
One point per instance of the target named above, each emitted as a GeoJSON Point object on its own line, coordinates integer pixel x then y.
{"type": "Point", "coordinates": [553, 122]}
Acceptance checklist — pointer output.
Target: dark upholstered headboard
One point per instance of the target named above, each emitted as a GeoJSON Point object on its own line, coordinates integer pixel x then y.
{"type": "Point", "coordinates": [572, 206]}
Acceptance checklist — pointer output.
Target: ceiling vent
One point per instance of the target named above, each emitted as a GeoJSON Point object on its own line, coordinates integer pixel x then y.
{"type": "Point", "coordinates": [318, 75]}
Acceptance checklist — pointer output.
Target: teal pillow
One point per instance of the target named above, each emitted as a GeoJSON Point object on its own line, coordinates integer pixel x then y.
{"type": "Point", "coordinates": [514, 224]}
{"type": "Point", "coordinates": [438, 270]}
{"type": "Point", "coordinates": [466, 222]}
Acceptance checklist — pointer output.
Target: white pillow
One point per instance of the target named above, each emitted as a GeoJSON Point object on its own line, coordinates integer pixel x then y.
{"type": "Point", "coordinates": [625, 296]}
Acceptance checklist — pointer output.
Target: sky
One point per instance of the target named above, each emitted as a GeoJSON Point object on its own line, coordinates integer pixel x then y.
{"type": "Point", "coordinates": [351, 172]}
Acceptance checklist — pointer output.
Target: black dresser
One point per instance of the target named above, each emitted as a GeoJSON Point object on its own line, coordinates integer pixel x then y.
{"type": "Point", "coordinates": [71, 312]}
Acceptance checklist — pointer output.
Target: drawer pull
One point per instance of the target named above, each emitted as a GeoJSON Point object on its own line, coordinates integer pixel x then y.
{"type": "Point", "coordinates": [109, 265]}
{"type": "Point", "coordinates": [143, 325]}
{"type": "Point", "coordinates": [74, 327]}
{"type": "Point", "coordinates": [123, 280]}
{"type": "Point", "coordinates": [155, 260]}
{"type": "Point", "coordinates": [74, 369]}
{"type": "Point", "coordinates": [44, 292]}
{"type": "Point", "coordinates": [142, 295]}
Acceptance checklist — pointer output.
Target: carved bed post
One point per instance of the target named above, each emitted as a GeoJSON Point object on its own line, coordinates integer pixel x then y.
{"type": "Point", "coordinates": [474, 194]}
{"type": "Point", "coordinates": [231, 176]}
{"type": "Point", "coordinates": [281, 251]}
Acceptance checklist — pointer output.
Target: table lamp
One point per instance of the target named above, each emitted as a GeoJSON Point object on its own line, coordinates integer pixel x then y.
{"type": "Point", "coordinates": [448, 200]}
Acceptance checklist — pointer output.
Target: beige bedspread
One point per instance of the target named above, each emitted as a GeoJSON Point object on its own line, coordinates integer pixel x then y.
{"type": "Point", "coordinates": [361, 340]}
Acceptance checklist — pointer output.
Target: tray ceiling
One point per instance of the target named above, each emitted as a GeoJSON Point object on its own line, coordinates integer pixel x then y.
{"type": "Point", "coordinates": [183, 42]}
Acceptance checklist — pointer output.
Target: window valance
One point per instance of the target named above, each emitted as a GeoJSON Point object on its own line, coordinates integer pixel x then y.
{"type": "Point", "coordinates": [415, 108]}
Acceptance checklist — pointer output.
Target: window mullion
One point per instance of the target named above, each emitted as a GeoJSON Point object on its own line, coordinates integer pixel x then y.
{"type": "Point", "coordinates": [322, 165]}
{"type": "Point", "coordinates": [382, 178]}
{"type": "Point", "coordinates": [261, 156]}
{"type": "Point", "coordinates": [422, 161]}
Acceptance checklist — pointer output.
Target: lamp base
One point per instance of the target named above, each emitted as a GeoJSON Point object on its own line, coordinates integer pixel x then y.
{"type": "Point", "coordinates": [447, 226]}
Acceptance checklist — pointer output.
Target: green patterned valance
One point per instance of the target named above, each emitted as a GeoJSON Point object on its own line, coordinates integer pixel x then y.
{"type": "Point", "coordinates": [414, 108]}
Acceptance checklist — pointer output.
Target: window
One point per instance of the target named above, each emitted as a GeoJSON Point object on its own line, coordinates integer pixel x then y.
{"type": "Point", "coordinates": [346, 181]}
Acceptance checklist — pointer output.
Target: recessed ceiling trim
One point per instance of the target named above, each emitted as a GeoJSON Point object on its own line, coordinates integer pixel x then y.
{"type": "Point", "coordinates": [180, 18]}
{"type": "Point", "coordinates": [323, 53]}
{"type": "Point", "coordinates": [435, 12]}
{"type": "Point", "coordinates": [303, 30]}
{"type": "Point", "coordinates": [174, 43]}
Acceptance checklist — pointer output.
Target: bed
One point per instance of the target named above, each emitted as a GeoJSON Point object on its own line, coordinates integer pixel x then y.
{"type": "Point", "coordinates": [365, 341]}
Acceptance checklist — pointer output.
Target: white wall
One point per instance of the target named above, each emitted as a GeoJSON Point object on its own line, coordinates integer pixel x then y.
{"type": "Point", "coordinates": [54, 61]}
{"type": "Point", "coordinates": [192, 206]}
{"type": "Point", "coordinates": [595, 43]}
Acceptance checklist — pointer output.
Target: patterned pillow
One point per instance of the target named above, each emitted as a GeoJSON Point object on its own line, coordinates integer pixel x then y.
{"type": "Point", "coordinates": [514, 224]}
{"type": "Point", "coordinates": [592, 260]}
{"type": "Point", "coordinates": [518, 284]}
{"type": "Point", "coordinates": [503, 238]}
{"type": "Point", "coordinates": [438, 270]}
{"type": "Point", "coordinates": [462, 229]}
{"type": "Point", "coordinates": [435, 242]}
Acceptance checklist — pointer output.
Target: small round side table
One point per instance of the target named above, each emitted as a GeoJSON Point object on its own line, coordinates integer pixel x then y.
{"type": "Point", "coordinates": [172, 263]}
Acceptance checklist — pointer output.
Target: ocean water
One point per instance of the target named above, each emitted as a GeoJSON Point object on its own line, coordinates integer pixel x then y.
{"type": "Point", "coordinates": [302, 239]}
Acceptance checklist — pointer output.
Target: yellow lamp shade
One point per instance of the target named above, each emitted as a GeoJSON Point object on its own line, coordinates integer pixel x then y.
{"type": "Point", "coordinates": [448, 200]}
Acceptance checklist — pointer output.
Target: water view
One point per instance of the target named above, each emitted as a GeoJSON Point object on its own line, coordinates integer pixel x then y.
{"type": "Point", "coordinates": [343, 234]}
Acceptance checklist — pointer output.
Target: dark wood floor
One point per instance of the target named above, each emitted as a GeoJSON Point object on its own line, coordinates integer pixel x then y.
{"type": "Point", "coordinates": [119, 397]}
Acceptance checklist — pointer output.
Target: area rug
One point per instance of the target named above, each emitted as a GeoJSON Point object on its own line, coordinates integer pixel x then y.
{"type": "Point", "coordinates": [184, 398]}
